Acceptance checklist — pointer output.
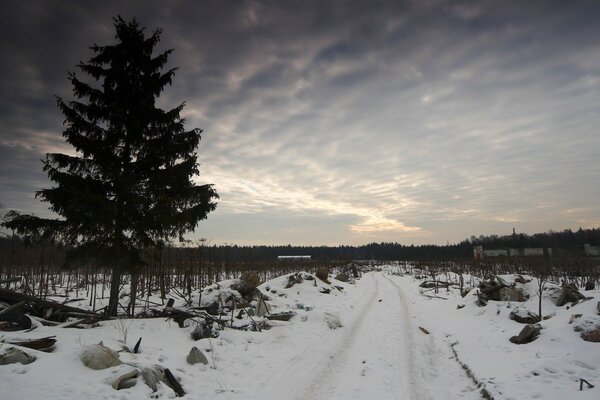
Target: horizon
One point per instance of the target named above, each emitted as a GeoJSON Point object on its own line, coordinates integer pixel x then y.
{"type": "Point", "coordinates": [342, 123]}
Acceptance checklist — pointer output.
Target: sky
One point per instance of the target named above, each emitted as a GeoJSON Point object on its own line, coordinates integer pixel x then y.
{"type": "Point", "coordinates": [341, 122]}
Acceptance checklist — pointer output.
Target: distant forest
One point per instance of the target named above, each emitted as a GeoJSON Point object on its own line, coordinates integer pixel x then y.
{"type": "Point", "coordinates": [567, 241]}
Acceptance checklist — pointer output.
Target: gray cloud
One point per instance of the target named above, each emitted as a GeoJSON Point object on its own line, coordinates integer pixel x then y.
{"type": "Point", "coordinates": [345, 122]}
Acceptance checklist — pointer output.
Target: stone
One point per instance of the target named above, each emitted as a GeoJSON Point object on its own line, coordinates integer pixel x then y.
{"type": "Point", "coordinates": [294, 279]}
{"type": "Point", "coordinates": [528, 334]}
{"type": "Point", "coordinates": [569, 294]}
{"type": "Point", "coordinates": [98, 356]}
{"type": "Point", "coordinates": [246, 285]}
{"type": "Point", "coordinates": [123, 378]}
{"type": "Point", "coordinates": [574, 317]}
{"type": "Point", "coordinates": [282, 316]}
{"type": "Point", "coordinates": [491, 289]}
{"type": "Point", "coordinates": [14, 355]}
{"type": "Point", "coordinates": [195, 356]}
{"type": "Point", "coordinates": [520, 279]}
{"type": "Point", "coordinates": [152, 377]}
{"type": "Point", "coordinates": [523, 316]}
{"type": "Point", "coordinates": [592, 335]}
{"type": "Point", "coordinates": [203, 330]}
{"type": "Point", "coordinates": [333, 321]}
{"type": "Point", "coordinates": [262, 307]}
{"type": "Point", "coordinates": [342, 277]}
{"type": "Point", "coordinates": [511, 294]}
{"type": "Point", "coordinates": [589, 285]}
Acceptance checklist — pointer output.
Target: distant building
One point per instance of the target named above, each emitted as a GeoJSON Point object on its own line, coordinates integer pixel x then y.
{"type": "Point", "coordinates": [293, 258]}
{"type": "Point", "coordinates": [590, 250]}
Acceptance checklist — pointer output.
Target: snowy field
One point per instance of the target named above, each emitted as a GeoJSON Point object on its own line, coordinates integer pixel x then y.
{"type": "Point", "coordinates": [380, 351]}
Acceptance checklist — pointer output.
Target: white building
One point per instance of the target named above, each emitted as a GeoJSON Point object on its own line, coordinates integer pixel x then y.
{"type": "Point", "coordinates": [293, 258]}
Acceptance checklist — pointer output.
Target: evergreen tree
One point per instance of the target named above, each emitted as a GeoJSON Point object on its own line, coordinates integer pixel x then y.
{"type": "Point", "coordinates": [129, 185]}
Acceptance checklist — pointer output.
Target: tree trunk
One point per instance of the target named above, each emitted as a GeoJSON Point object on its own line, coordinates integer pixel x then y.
{"type": "Point", "coordinates": [115, 284]}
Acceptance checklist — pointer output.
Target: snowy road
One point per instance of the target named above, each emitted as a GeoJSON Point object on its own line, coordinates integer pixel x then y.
{"type": "Point", "coordinates": [372, 356]}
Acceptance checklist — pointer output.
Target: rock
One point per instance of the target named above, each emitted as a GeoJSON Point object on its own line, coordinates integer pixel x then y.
{"type": "Point", "coordinates": [98, 356]}
{"type": "Point", "coordinates": [294, 279]}
{"type": "Point", "coordinates": [123, 378]}
{"type": "Point", "coordinates": [152, 377]}
{"type": "Point", "coordinates": [520, 279]}
{"type": "Point", "coordinates": [491, 289]}
{"type": "Point", "coordinates": [195, 356]}
{"type": "Point", "coordinates": [589, 328]}
{"type": "Point", "coordinates": [333, 321]}
{"type": "Point", "coordinates": [342, 277]}
{"type": "Point", "coordinates": [482, 299]}
{"type": "Point", "coordinates": [250, 312]}
{"type": "Point", "coordinates": [323, 274]}
{"type": "Point", "coordinates": [574, 317]}
{"type": "Point", "coordinates": [262, 307]}
{"type": "Point", "coordinates": [528, 334]}
{"type": "Point", "coordinates": [592, 335]}
{"type": "Point", "coordinates": [511, 294]}
{"type": "Point", "coordinates": [569, 294]}
{"type": "Point", "coordinates": [14, 355]}
{"type": "Point", "coordinates": [246, 285]}
{"type": "Point", "coordinates": [589, 285]}
{"type": "Point", "coordinates": [282, 316]}
{"type": "Point", "coordinates": [459, 306]}
{"type": "Point", "coordinates": [203, 330]}
{"type": "Point", "coordinates": [523, 316]}
{"type": "Point", "coordinates": [325, 290]}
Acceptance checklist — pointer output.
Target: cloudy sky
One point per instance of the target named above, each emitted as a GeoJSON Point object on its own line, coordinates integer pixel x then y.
{"type": "Point", "coordinates": [346, 122]}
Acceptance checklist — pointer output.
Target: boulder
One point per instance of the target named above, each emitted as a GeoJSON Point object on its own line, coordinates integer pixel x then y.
{"type": "Point", "coordinates": [342, 277]}
{"type": "Point", "coordinates": [511, 294]}
{"type": "Point", "coordinates": [589, 328]}
{"type": "Point", "coordinates": [282, 316]}
{"type": "Point", "coordinates": [520, 279]}
{"type": "Point", "coordinates": [528, 334]}
{"type": "Point", "coordinates": [491, 289]}
{"type": "Point", "coordinates": [523, 316]}
{"type": "Point", "coordinates": [569, 294]}
{"type": "Point", "coordinates": [14, 355]}
{"type": "Point", "coordinates": [246, 285]}
{"type": "Point", "coordinates": [589, 285]}
{"type": "Point", "coordinates": [152, 377]}
{"type": "Point", "coordinates": [98, 356]}
{"type": "Point", "coordinates": [593, 335]}
{"type": "Point", "coordinates": [195, 356]}
{"type": "Point", "coordinates": [333, 321]}
{"type": "Point", "coordinates": [294, 279]}
{"type": "Point", "coordinates": [202, 330]}
{"type": "Point", "coordinates": [123, 378]}
{"type": "Point", "coordinates": [262, 307]}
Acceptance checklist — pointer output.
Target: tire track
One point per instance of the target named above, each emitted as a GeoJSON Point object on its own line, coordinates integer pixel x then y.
{"type": "Point", "coordinates": [415, 376]}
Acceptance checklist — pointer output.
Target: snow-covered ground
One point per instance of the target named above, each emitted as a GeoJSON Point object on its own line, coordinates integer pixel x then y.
{"type": "Point", "coordinates": [379, 352]}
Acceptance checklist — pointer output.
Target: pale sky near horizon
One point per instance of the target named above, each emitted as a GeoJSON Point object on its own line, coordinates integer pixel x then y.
{"type": "Point", "coordinates": [342, 122]}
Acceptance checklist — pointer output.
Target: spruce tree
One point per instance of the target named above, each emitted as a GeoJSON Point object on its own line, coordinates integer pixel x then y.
{"type": "Point", "coordinates": [129, 184]}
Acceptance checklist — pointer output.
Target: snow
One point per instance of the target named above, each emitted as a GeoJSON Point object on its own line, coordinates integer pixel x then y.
{"type": "Point", "coordinates": [378, 352]}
